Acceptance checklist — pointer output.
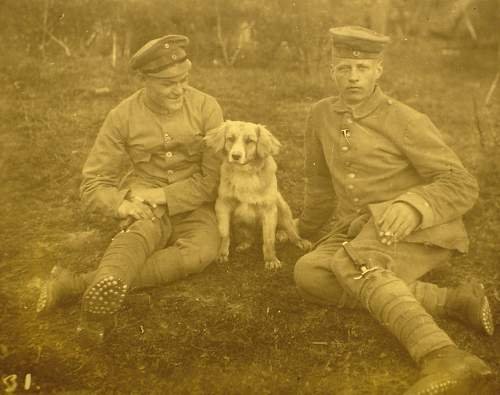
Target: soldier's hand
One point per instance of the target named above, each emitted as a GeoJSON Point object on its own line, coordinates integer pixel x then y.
{"type": "Point", "coordinates": [397, 222]}
{"type": "Point", "coordinates": [135, 209]}
{"type": "Point", "coordinates": [151, 196]}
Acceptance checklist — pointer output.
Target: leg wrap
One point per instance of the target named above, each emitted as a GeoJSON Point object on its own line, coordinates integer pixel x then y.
{"type": "Point", "coordinates": [121, 264]}
{"type": "Point", "coordinates": [391, 302]}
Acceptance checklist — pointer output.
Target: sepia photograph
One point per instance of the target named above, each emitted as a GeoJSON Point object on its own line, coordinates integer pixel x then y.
{"type": "Point", "coordinates": [258, 197]}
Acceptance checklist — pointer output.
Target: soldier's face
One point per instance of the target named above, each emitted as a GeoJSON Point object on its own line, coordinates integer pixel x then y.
{"type": "Point", "coordinates": [167, 93]}
{"type": "Point", "coordinates": [356, 78]}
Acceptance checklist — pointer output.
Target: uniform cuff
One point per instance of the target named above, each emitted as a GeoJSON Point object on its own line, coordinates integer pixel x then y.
{"type": "Point", "coordinates": [423, 207]}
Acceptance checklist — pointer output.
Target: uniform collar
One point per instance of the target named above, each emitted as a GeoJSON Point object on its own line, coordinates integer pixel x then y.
{"type": "Point", "coordinates": [363, 109]}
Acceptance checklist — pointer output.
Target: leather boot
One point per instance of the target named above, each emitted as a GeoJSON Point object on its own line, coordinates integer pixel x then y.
{"type": "Point", "coordinates": [451, 371]}
{"type": "Point", "coordinates": [61, 287]}
{"type": "Point", "coordinates": [468, 303]}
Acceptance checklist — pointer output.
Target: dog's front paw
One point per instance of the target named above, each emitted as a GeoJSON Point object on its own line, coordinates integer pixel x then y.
{"type": "Point", "coordinates": [223, 256]}
{"type": "Point", "coordinates": [281, 236]}
{"type": "Point", "coordinates": [273, 264]}
{"type": "Point", "coordinates": [304, 245]}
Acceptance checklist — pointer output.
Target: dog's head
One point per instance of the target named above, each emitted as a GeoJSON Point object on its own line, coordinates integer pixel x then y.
{"type": "Point", "coordinates": [242, 142]}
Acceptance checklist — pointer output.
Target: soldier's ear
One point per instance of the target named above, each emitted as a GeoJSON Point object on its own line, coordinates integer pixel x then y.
{"type": "Point", "coordinates": [216, 138]}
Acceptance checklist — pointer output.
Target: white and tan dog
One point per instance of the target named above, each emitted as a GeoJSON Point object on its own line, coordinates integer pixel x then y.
{"type": "Point", "coordinates": [248, 189]}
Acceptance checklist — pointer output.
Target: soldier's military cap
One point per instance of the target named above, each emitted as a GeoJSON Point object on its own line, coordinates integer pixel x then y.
{"type": "Point", "coordinates": [163, 57]}
{"type": "Point", "coordinates": [356, 42]}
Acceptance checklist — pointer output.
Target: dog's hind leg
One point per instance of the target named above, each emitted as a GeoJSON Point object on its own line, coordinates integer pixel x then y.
{"type": "Point", "coordinates": [223, 213]}
{"type": "Point", "coordinates": [285, 222]}
{"type": "Point", "coordinates": [269, 222]}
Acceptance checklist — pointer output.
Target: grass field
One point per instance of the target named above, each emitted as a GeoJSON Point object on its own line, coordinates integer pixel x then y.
{"type": "Point", "coordinates": [235, 329]}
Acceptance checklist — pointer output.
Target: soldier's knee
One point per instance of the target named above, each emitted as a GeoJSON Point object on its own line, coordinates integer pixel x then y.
{"type": "Point", "coordinates": [303, 272]}
{"type": "Point", "coordinates": [145, 227]}
{"type": "Point", "coordinates": [197, 257]}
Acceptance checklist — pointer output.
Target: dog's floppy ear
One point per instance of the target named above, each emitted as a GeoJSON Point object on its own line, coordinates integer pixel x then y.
{"type": "Point", "coordinates": [216, 138]}
{"type": "Point", "coordinates": [267, 144]}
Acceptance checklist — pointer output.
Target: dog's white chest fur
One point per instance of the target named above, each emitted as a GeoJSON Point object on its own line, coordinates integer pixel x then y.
{"type": "Point", "coordinates": [247, 191]}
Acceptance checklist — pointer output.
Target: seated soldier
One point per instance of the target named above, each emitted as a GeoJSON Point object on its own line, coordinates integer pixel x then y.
{"type": "Point", "coordinates": [400, 194]}
{"type": "Point", "coordinates": [167, 198]}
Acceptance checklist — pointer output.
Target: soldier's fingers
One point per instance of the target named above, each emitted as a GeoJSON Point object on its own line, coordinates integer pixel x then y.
{"type": "Point", "coordinates": [148, 213]}
{"type": "Point", "coordinates": [403, 232]}
{"type": "Point", "coordinates": [399, 225]}
{"type": "Point", "coordinates": [136, 214]}
{"type": "Point", "coordinates": [387, 220]}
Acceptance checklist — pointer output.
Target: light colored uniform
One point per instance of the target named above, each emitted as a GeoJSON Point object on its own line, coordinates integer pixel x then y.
{"type": "Point", "coordinates": [167, 151]}
{"type": "Point", "coordinates": [359, 162]}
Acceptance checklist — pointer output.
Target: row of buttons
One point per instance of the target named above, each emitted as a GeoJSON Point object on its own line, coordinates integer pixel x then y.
{"type": "Point", "coordinates": [350, 187]}
{"type": "Point", "coordinates": [167, 139]}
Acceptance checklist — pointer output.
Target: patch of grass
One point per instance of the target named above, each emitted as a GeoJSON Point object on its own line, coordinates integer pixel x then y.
{"type": "Point", "coordinates": [235, 328]}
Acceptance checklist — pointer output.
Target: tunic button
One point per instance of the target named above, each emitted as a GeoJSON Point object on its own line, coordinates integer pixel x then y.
{"type": "Point", "coordinates": [356, 200]}
{"type": "Point", "coordinates": [350, 186]}
{"type": "Point", "coordinates": [344, 148]}
{"type": "Point", "coordinates": [174, 57]}
{"type": "Point", "coordinates": [167, 46]}
{"type": "Point", "coordinates": [351, 175]}
{"type": "Point", "coordinates": [389, 101]}
{"type": "Point", "coordinates": [168, 154]}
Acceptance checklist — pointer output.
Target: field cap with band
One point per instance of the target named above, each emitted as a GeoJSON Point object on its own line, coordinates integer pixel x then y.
{"type": "Point", "coordinates": [163, 57]}
{"type": "Point", "coordinates": [356, 42]}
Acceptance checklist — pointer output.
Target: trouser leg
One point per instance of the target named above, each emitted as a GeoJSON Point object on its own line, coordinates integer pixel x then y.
{"type": "Point", "coordinates": [386, 295]}
{"type": "Point", "coordinates": [195, 243]}
{"type": "Point", "coordinates": [317, 283]}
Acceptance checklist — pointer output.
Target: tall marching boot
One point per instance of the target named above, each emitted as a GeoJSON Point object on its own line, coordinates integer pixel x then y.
{"type": "Point", "coordinates": [61, 287]}
{"type": "Point", "coordinates": [390, 301]}
{"type": "Point", "coordinates": [106, 293]}
{"type": "Point", "coordinates": [466, 303]}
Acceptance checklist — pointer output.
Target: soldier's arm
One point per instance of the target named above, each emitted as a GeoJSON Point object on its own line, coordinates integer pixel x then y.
{"type": "Point", "coordinates": [450, 190]}
{"type": "Point", "coordinates": [319, 192]}
{"type": "Point", "coordinates": [201, 187]}
{"type": "Point", "coordinates": [102, 170]}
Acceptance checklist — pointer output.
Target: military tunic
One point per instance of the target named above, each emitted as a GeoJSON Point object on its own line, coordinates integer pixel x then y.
{"type": "Point", "coordinates": [357, 163]}
{"type": "Point", "coordinates": [165, 150]}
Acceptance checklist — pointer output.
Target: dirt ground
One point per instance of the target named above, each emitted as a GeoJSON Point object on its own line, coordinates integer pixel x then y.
{"type": "Point", "coordinates": [235, 329]}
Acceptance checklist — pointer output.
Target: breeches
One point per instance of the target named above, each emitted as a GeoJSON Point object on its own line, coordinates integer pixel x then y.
{"type": "Point", "coordinates": [169, 248]}
{"type": "Point", "coordinates": [324, 275]}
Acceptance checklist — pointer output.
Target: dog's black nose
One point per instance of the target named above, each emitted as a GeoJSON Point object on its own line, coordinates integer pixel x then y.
{"type": "Point", "coordinates": [236, 156]}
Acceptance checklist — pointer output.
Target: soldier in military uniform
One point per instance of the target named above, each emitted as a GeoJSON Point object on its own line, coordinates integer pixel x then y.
{"type": "Point", "coordinates": [398, 192]}
{"type": "Point", "coordinates": [167, 198]}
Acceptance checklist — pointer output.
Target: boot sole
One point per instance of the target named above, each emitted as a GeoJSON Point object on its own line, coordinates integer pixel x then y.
{"type": "Point", "coordinates": [485, 316]}
{"type": "Point", "coordinates": [104, 298]}
{"type": "Point", "coordinates": [46, 300]}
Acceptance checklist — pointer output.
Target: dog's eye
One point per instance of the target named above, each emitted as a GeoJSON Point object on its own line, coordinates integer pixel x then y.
{"type": "Point", "coordinates": [249, 140]}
